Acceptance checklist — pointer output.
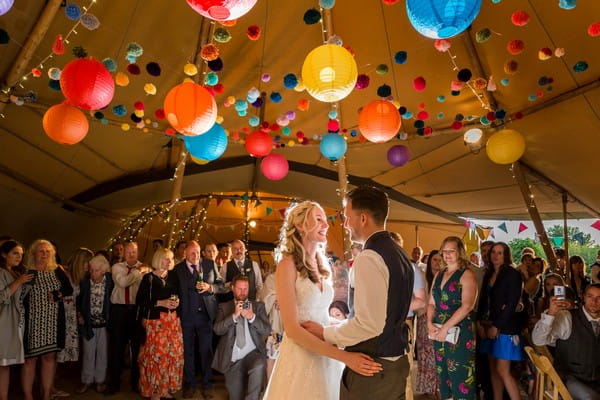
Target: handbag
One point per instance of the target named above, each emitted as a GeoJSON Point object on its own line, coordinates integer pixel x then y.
{"type": "Point", "coordinates": [452, 336]}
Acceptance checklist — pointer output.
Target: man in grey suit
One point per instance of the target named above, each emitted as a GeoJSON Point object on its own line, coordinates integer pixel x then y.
{"type": "Point", "coordinates": [241, 355]}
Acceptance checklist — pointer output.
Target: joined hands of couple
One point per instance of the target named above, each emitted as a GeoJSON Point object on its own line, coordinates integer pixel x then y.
{"type": "Point", "coordinates": [358, 362]}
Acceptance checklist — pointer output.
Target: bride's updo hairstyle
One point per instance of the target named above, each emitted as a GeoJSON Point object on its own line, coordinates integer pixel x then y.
{"type": "Point", "coordinates": [290, 241]}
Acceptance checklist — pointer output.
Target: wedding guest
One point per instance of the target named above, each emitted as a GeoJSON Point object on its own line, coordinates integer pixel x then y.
{"type": "Point", "coordinates": [498, 320]}
{"type": "Point", "coordinates": [543, 301]}
{"type": "Point", "coordinates": [118, 252]}
{"type": "Point", "coordinates": [561, 267]}
{"type": "Point", "coordinates": [578, 279]}
{"type": "Point", "coordinates": [453, 294]}
{"type": "Point", "coordinates": [12, 279]}
{"type": "Point", "coordinates": [475, 259]}
{"type": "Point", "coordinates": [416, 255]}
{"type": "Point", "coordinates": [161, 353]}
{"type": "Point", "coordinates": [427, 379]}
{"type": "Point", "coordinates": [224, 255]}
{"type": "Point", "coordinates": [338, 310]}
{"type": "Point", "coordinates": [44, 316]}
{"type": "Point", "coordinates": [241, 354]}
{"type": "Point", "coordinates": [157, 244]}
{"type": "Point", "coordinates": [93, 306]}
{"type": "Point", "coordinates": [179, 253]}
{"type": "Point", "coordinates": [241, 264]}
{"type": "Point", "coordinates": [595, 270]}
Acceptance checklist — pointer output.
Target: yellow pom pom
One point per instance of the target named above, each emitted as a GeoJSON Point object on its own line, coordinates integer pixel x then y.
{"type": "Point", "coordinates": [139, 113]}
{"type": "Point", "coordinates": [219, 119]}
{"type": "Point", "coordinates": [189, 80]}
{"type": "Point", "coordinates": [291, 143]}
{"type": "Point", "coordinates": [125, 127]}
{"type": "Point", "coordinates": [150, 89]}
{"type": "Point", "coordinates": [121, 79]}
{"type": "Point", "coordinates": [190, 69]}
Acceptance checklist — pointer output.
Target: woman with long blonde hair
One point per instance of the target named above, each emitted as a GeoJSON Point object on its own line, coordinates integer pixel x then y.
{"type": "Point", "coordinates": [306, 367]}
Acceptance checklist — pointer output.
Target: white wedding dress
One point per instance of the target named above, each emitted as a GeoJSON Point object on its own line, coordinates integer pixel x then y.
{"type": "Point", "coordinates": [299, 373]}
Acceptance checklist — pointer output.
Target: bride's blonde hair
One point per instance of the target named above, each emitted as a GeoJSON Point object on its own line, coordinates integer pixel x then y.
{"type": "Point", "coordinates": [290, 241]}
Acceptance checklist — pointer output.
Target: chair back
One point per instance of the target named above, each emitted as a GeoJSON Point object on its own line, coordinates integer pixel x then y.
{"type": "Point", "coordinates": [548, 383]}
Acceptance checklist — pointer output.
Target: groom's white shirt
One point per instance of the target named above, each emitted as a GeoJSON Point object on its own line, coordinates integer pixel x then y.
{"type": "Point", "coordinates": [369, 276]}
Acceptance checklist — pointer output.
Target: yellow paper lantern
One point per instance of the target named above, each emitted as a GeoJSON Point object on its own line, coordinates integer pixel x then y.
{"type": "Point", "coordinates": [505, 146]}
{"type": "Point", "coordinates": [329, 73]}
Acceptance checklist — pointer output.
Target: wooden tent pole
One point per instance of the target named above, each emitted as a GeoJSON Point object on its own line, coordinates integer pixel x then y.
{"type": "Point", "coordinates": [566, 234]}
{"type": "Point", "coordinates": [533, 212]}
{"type": "Point", "coordinates": [20, 65]}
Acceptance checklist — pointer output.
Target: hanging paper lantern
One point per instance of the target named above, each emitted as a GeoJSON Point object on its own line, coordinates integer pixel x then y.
{"type": "Point", "coordinates": [87, 84]}
{"type": "Point", "coordinates": [65, 124]}
{"type": "Point", "coordinates": [274, 167]}
{"type": "Point", "coordinates": [333, 146]}
{"type": "Point", "coordinates": [505, 146]}
{"type": "Point", "coordinates": [222, 10]}
{"type": "Point", "coordinates": [398, 155]}
{"type": "Point", "coordinates": [438, 19]}
{"type": "Point", "coordinates": [259, 144]}
{"type": "Point", "coordinates": [5, 5]}
{"type": "Point", "coordinates": [379, 121]}
{"type": "Point", "coordinates": [329, 73]}
{"type": "Point", "coordinates": [190, 109]}
{"type": "Point", "coordinates": [209, 146]}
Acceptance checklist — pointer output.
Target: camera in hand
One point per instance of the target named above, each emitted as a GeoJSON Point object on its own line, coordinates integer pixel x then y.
{"type": "Point", "coordinates": [246, 305]}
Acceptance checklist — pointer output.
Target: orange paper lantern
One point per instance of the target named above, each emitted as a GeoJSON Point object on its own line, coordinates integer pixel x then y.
{"type": "Point", "coordinates": [190, 109]}
{"type": "Point", "coordinates": [379, 121]}
{"type": "Point", "coordinates": [65, 124]}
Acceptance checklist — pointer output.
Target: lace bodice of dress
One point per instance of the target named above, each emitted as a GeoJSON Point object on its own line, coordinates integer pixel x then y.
{"type": "Point", "coordinates": [313, 305]}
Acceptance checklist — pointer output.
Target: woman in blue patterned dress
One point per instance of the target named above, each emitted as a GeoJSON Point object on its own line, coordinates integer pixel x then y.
{"type": "Point", "coordinates": [452, 299]}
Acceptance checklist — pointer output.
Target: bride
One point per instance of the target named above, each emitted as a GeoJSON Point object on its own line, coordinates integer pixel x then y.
{"type": "Point", "coordinates": [306, 367]}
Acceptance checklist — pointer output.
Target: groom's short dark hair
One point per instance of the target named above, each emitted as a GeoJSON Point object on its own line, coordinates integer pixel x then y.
{"type": "Point", "coordinates": [372, 200]}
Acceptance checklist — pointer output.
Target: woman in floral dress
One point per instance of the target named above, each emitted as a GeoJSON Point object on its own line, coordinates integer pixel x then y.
{"type": "Point", "coordinates": [452, 299]}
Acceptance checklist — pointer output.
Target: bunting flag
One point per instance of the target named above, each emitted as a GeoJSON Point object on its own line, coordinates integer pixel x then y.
{"type": "Point", "coordinates": [522, 227]}
{"type": "Point", "coordinates": [258, 203]}
{"type": "Point", "coordinates": [558, 241]}
{"type": "Point", "coordinates": [332, 219]}
{"type": "Point", "coordinates": [502, 227]}
{"type": "Point", "coordinates": [269, 211]}
{"type": "Point", "coordinates": [483, 232]}
{"type": "Point", "coordinates": [471, 241]}
{"type": "Point", "coordinates": [579, 237]}
{"type": "Point", "coordinates": [245, 196]}
{"type": "Point", "coordinates": [232, 200]}
{"type": "Point", "coordinates": [282, 212]}
{"type": "Point", "coordinates": [596, 225]}
{"type": "Point", "coordinates": [492, 234]}
{"type": "Point", "coordinates": [219, 201]}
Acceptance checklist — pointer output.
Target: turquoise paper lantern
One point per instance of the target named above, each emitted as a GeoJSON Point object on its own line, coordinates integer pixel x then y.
{"type": "Point", "coordinates": [209, 146]}
{"type": "Point", "coordinates": [440, 19]}
{"type": "Point", "coordinates": [333, 146]}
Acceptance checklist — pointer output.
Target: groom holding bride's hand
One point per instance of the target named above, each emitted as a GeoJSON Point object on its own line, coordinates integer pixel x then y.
{"type": "Point", "coordinates": [381, 285]}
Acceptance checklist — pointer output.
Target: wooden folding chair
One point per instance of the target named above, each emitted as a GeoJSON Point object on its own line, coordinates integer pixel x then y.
{"type": "Point", "coordinates": [548, 383]}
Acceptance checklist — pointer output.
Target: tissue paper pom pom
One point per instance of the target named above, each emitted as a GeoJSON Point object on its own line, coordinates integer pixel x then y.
{"type": "Point", "coordinates": [419, 84]}
{"type": "Point", "coordinates": [479, 83]}
{"type": "Point", "coordinates": [483, 35]}
{"type": "Point", "coordinates": [441, 99]}
{"type": "Point", "coordinates": [275, 97]}
{"type": "Point", "coordinates": [382, 69]}
{"type": "Point", "coordinates": [390, 2]}
{"type": "Point", "coordinates": [384, 91]}
{"type": "Point", "coordinates": [190, 69]}
{"type": "Point", "coordinates": [491, 116]}
{"type": "Point", "coordinates": [135, 118]}
{"type": "Point", "coordinates": [464, 75]}
{"type": "Point", "coordinates": [291, 115]}
{"type": "Point", "coordinates": [150, 89]}
{"type": "Point", "coordinates": [215, 65]}
{"type": "Point", "coordinates": [580, 66]}
{"type": "Point", "coordinates": [335, 39]}
{"type": "Point", "coordinates": [265, 77]}
{"type": "Point", "coordinates": [211, 79]}
{"type": "Point", "coordinates": [290, 81]}
{"type": "Point", "coordinates": [402, 110]}
{"type": "Point", "coordinates": [459, 117]}
{"type": "Point", "coordinates": [54, 73]}
{"type": "Point", "coordinates": [303, 104]}
{"type": "Point", "coordinates": [253, 121]}
{"type": "Point", "coordinates": [98, 115]}
{"type": "Point", "coordinates": [133, 69]}
{"type": "Point", "coordinates": [90, 21]}
{"type": "Point", "coordinates": [515, 47]}
{"type": "Point", "coordinates": [422, 115]}
{"type": "Point", "coordinates": [333, 125]}
{"type": "Point", "coordinates": [110, 64]}
{"type": "Point", "coordinates": [362, 81]}
{"type": "Point", "coordinates": [544, 54]}
{"type": "Point", "coordinates": [159, 113]}
{"type": "Point", "coordinates": [400, 57]}
{"type": "Point", "coordinates": [519, 18]}
{"type": "Point", "coordinates": [442, 45]}
{"type": "Point", "coordinates": [30, 97]}
{"type": "Point", "coordinates": [222, 35]}
{"type": "Point", "coordinates": [594, 29]}
{"type": "Point", "coordinates": [505, 81]}
{"type": "Point", "coordinates": [119, 110]}
{"type": "Point", "coordinates": [139, 113]}
{"type": "Point", "coordinates": [567, 4]}
{"type": "Point", "coordinates": [456, 125]}
{"type": "Point", "coordinates": [79, 52]}
{"type": "Point", "coordinates": [4, 37]}
{"type": "Point", "coordinates": [511, 67]}
{"type": "Point", "coordinates": [253, 32]}
{"type": "Point", "coordinates": [209, 52]}
{"type": "Point", "coordinates": [559, 52]}
{"type": "Point", "coordinates": [327, 4]}
{"type": "Point", "coordinates": [455, 93]}
{"type": "Point", "coordinates": [134, 50]}
{"type": "Point", "coordinates": [121, 79]}
{"type": "Point", "coordinates": [73, 11]}
{"type": "Point", "coordinates": [500, 114]}
{"type": "Point", "coordinates": [491, 85]}
{"type": "Point", "coordinates": [138, 105]}
{"type": "Point", "coordinates": [153, 68]}
{"type": "Point", "coordinates": [219, 88]}
{"type": "Point", "coordinates": [58, 47]}
{"type": "Point", "coordinates": [418, 124]}
{"type": "Point", "coordinates": [312, 16]}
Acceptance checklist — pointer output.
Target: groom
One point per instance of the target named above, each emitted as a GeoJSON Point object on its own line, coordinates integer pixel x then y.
{"type": "Point", "coordinates": [381, 284]}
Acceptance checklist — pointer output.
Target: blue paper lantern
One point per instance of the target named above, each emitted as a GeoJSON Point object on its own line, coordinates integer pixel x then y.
{"type": "Point", "coordinates": [333, 146]}
{"type": "Point", "coordinates": [439, 19]}
{"type": "Point", "coordinates": [209, 146]}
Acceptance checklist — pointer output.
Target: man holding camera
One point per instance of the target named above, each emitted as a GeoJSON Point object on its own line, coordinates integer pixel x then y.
{"type": "Point", "coordinates": [241, 354]}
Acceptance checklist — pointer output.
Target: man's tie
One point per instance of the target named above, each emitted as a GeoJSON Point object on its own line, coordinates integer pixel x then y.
{"type": "Point", "coordinates": [240, 334]}
{"type": "Point", "coordinates": [595, 327]}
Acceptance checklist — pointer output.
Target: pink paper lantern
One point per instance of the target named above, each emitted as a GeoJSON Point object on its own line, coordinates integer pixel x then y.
{"type": "Point", "coordinates": [222, 10]}
{"type": "Point", "coordinates": [274, 167]}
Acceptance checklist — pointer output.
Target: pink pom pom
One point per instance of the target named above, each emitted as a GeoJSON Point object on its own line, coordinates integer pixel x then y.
{"type": "Point", "coordinates": [456, 86]}
{"type": "Point", "coordinates": [442, 45]}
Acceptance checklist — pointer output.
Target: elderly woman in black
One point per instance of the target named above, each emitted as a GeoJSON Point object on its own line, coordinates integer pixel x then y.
{"type": "Point", "coordinates": [498, 323]}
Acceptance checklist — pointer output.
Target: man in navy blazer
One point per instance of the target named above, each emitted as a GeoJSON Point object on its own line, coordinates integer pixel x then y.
{"type": "Point", "coordinates": [197, 282]}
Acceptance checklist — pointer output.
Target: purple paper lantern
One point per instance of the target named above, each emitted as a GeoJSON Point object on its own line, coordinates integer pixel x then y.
{"type": "Point", "coordinates": [398, 155]}
{"type": "Point", "coordinates": [5, 5]}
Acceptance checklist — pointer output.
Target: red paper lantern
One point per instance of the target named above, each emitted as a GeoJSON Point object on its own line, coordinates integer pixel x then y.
{"type": "Point", "coordinates": [222, 10]}
{"type": "Point", "coordinates": [274, 167]}
{"type": "Point", "coordinates": [86, 83]}
{"type": "Point", "coordinates": [190, 109]}
{"type": "Point", "coordinates": [65, 124]}
{"type": "Point", "coordinates": [259, 144]}
{"type": "Point", "coordinates": [379, 121]}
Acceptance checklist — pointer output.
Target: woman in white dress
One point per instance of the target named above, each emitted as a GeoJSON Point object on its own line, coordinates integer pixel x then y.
{"type": "Point", "coordinates": [307, 368]}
